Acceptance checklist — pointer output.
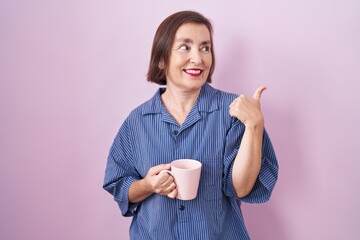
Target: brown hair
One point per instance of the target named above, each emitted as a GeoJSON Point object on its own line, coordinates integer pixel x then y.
{"type": "Point", "coordinates": [164, 39]}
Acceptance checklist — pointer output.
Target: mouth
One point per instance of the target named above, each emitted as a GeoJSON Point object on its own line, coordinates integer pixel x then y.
{"type": "Point", "coordinates": [194, 72]}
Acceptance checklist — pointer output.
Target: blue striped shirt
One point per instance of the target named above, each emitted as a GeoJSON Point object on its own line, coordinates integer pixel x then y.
{"type": "Point", "coordinates": [150, 136]}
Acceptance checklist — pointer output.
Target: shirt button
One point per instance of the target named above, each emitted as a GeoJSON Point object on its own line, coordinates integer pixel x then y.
{"type": "Point", "coordinates": [181, 207]}
{"type": "Point", "coordinates": [175, 132]}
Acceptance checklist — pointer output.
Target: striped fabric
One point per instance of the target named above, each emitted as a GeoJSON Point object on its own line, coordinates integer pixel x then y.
{"type": "Point", "coordinates": [150, 136]}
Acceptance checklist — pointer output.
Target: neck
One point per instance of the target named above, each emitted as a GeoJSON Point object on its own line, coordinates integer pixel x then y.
{"type": "Point", "coordinates": [179, 103]}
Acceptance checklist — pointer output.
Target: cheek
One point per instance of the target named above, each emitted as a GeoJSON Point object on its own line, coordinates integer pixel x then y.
{"type": "Point", "coordinates": [208, 61]}
{"type": "Point", "coordinates": [178, 62]}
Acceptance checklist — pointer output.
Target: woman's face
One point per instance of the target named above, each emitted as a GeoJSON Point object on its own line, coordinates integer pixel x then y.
{"type": "Point", "coordinates": [190, 58]}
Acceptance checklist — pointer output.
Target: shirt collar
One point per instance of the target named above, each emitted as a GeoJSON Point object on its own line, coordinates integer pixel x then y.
{"type": "Point", "coordinates": [207, 101]}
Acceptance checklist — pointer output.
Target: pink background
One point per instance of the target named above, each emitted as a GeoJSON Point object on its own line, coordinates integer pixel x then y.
{"type": "Point", "coordinates": [70, 72]}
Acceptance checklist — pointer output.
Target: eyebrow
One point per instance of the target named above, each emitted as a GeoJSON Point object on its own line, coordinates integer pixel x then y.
{"type": "Point", "coordinates": [188, 40]}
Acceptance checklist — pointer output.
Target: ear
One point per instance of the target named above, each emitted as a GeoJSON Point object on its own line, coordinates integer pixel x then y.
{"type": "Point", "coordinates": [161, 64]}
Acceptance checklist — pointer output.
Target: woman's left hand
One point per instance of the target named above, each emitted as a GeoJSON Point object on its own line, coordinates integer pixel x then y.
{"type": "Point", "coordinates": [247, 109]}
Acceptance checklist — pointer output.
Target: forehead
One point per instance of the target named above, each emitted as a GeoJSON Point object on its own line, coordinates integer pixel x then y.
{"type": "Point", "coordinates": [193, 31]}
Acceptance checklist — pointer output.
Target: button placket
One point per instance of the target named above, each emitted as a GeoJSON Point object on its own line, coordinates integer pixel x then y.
{"type": "Point", "coordinates": [182, 211]}
{"type": "Point", "coordinates": [175, 132]}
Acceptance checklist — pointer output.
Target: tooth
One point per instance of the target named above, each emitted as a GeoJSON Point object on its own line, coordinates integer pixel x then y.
{"type": "Point", "coordinates": [193, 71]}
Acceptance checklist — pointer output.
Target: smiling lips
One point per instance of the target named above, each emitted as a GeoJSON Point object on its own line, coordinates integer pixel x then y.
{"type": "Point", "coordinates": [194, 72]}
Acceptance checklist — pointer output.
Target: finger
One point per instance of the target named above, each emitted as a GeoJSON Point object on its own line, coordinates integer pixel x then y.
{"type": "Point", "coordinates": [167, 181]}
{"type": "Point", "coordinates": [258, 92]}
{"type": "Point", "coordinates": [161, 183]}
{"type": "Point", "coordinates": [171, 187]}
{"type": "Point", "coordinates": [233, 104]}
{"type": "Point", "coordinates": [232, 113]}
{"type": "Point", "coordinates": [173, 193]}
{"type": "Point", "coordinates": [162, 180]}
{"type": "Point", "coordinates": [158, 168]}
{"type": "Point", "coordinates": [166, 189]}
{"type": "Point", "coordinates": [237, 99]}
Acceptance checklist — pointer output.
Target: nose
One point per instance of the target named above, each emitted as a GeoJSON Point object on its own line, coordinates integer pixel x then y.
{"type": "Point", "coordinates": [195, 57]}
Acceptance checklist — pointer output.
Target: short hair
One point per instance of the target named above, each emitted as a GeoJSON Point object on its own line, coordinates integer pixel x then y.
{"type": "Point", "coordinates": [164, 39]}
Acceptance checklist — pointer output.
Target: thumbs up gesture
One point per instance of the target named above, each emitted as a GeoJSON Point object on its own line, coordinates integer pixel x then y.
{"type": "Point", "coordinates": [247, 109]}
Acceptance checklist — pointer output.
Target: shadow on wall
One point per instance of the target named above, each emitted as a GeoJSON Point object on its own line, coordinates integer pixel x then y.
{"type": "Point", "coordinates": [266, 221]}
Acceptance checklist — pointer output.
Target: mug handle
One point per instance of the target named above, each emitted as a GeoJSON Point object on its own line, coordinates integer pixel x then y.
{"type": "Point", "coordinates": [167, 171]}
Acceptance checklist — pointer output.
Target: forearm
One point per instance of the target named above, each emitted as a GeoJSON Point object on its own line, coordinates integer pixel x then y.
{"type": "Point", "coordinates": [138, 191]}
{"type": "Point", "coordinates": [247, 164]}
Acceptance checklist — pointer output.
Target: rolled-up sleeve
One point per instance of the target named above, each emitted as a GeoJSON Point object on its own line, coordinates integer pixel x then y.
{"type": "Point", "coordinates": [268, 175]}
{"type": "Point", "coordinates": [120, 172]}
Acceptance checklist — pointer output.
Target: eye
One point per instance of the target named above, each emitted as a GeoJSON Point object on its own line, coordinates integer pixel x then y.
{"type": "Point", "coordinates": [206, 49]}
{"type": "Point", "coordinates": [184, 47]}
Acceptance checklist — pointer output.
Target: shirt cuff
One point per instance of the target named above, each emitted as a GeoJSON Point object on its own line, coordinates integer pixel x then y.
{"type": "Point", "coordinates": [264, 184]}
{"type": "Point", "coordinates": [122, 197]}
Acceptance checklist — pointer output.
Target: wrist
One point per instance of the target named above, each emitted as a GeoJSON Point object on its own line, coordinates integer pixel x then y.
{"type": "Point", "coordinates": [259, 125]}
{"type": "Point", "coordinates": [146, 186]}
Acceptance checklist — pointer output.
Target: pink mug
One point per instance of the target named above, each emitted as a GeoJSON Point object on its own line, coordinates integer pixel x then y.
{"type": "Point", "coordinates": [186, 173]}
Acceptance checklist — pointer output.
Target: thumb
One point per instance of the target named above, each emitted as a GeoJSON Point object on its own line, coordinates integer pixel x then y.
{"type": "Point", "coordinates": [258, 92]}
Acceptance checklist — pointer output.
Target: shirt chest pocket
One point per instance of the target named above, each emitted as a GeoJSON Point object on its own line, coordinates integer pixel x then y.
{"type": "Point", "coordinates": [211, 179]}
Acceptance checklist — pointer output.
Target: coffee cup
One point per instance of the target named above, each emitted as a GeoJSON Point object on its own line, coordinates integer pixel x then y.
{"type": "Point", "coordinates": [186, 173]}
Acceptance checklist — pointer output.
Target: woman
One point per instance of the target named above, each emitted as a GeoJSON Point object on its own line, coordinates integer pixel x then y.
{"type": "Point", "coordinates": [190, 119]}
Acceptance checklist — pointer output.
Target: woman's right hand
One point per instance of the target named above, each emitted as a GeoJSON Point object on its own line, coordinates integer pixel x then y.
{"type": "Point", "coordinates": [160, 183]}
